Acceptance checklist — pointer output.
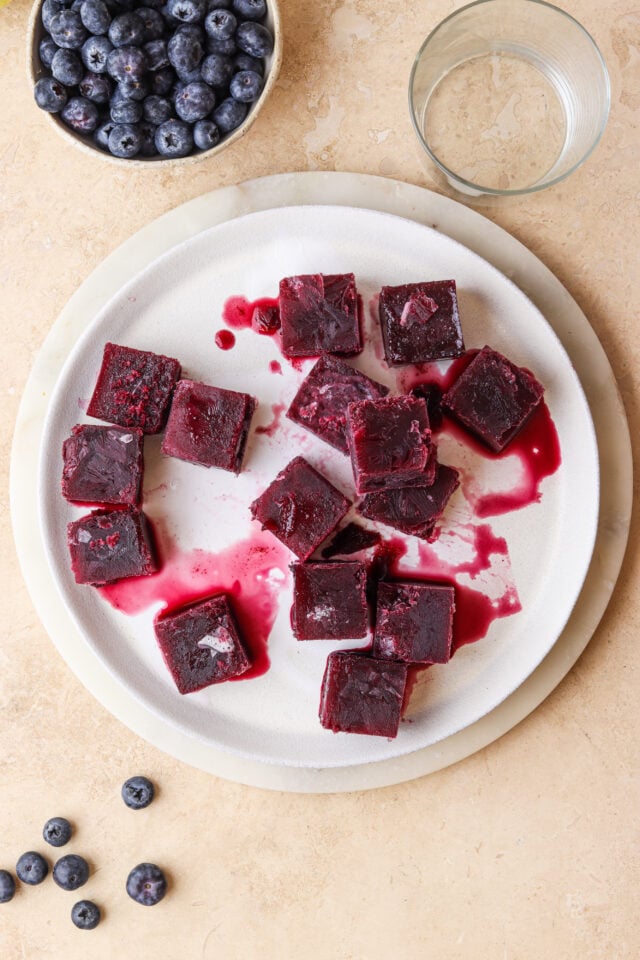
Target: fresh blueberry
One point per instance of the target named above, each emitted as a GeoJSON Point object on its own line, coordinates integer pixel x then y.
{"type": "Point", "coordinates": [174, 139]}
{"type": "Point", "coordinates": [85, 914]}
{"type": "Point", "coordinates": [96, 87]}
{"type": "Point", "coordinates": [133, 89]}
{"type": "Point", "coordinates": [95, 16]}
{"type": "Point", "coordinates": [205, 134]}
{"type": "Point", "coordinates": [254, 39]}
{"type": "Point", "coordinates": [219, 5]}
{"type": "Point", "coordinates": [148, 135]}
{"type": "Point", "coordinates": [125, 141]}
{"type": "Point", "coordinates": [47, 51]}
{"type": "Point", "coordinates": [67, 67]}
{"type": "Point", "coordinates": [185, 51]}
{"type": "Point", "coordinates": [192, 30]}
{"type": "Point", "coordinates": [138, 792]}
{"type": "Point", "coordinates": [162, 81]}
{"type": "Point", "coordinates": [101, 136]}
{"type": "Point", "coordinates": [194, 102]}
{"type": "Point", "coordinates": [153, 23]}
{"type": "Point", "coordinates": [146, 884]}
{"type": "Point", "coordinates": [57, 831]}
{"type": "Point", "coordinates": [49, 10]}
{"type": "Point", "coordinates": [229, 114]}
{"type": "Point", "coordinates": [127, 63]}
{"type": "Point", "coordinates": [7, 886]}
{"type": "Point", "coordinates": [156, 54]}
{"type": "Point", "coordinates": [95, 53]}
{"type": "Point", "coordinates": [220, 24]}
{"type": "Point", "coordinates": [242, 61]}
{"type": "Point", "coordinates": [127, 30]}
{"type": "Point", "coordinates": [32, 868]}
{"type": "Point", "coordinates": [80, 114]}
{"type": "Point", "coordinates": [67, 30]}
{"type": "Point", "coordinates": [217, 70]}
{"type": "Point", "coordinates": [71, 871]}
{"type": "Point", "coordinates": [187, 11]}
{"type": "Point", "coordinates": [226, 47]}
{"type": "Point", "coordinates": [249, 9]}
{"type": "Point", "coordinates": [246, 86]}
{"type": "Point", "coordinates": [50, 95]}
{"type": "Point", "coordinates": [189, 76]}
{"type": "Point", "coordinates": [126, 111]}
{"type": "Point", "coordinates": [156, 109]}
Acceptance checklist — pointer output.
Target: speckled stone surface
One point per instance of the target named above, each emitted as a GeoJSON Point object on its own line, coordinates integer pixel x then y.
{"type": "Point", "coordinates": [526, 849]}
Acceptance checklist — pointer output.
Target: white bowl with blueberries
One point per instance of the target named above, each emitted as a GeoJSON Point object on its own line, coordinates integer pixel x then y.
{"type": "Point", "coordinates": [145, 81]}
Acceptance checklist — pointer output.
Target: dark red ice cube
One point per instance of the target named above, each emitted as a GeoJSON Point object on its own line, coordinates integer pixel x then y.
{"type": "Point", "coordinates": [201, 644]}
{"type": "Point", "coordinates": [321, 403]}
{"type": "Point", "coordinates": [362, 694]}
{"type": "Point", "coordinates": [103, 464]}
{"type": "Point", "coordinates": [329, 601]}
{"type": "Point", "coordinates": [109, 545]}
{"type": "Point", "coordinates": [493, 398]}
{"type": "Point", "coordinates": [319, 314]}
{"type": "Point", "coordinates": [208, 425]}
{"type": "Point", "coordinates": [414, 509]}
{"type": "Point", "coordinates": [420, 322]}
{"type": "Point", "coordinates": [414, 621]}
{"type": "Point", "coordinates": [134, 388]}
{"type": "Point", "coordinates": [300, 507]}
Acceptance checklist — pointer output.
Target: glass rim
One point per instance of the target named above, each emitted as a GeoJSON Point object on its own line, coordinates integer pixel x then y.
{"type": "Point", "coordinates": [518, 191]}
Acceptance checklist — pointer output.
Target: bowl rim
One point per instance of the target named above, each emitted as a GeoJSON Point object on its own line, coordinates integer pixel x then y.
{"type": "Point", "coordinates": [35, 29]}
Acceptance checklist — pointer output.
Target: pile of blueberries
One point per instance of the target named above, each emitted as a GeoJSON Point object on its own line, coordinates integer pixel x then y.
{"type": "Point", "coordinates": [161, 80]}
{"type": "Point", "coordinates": [146, 883]}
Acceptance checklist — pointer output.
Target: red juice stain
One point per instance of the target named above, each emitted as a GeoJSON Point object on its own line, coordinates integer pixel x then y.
{"type": "Point", "coordinates": [270, 428]}
{"type": "Point", "coordinates": [262, 315]}
{"type": "Point", "coordinates": [243, 570]}
{"type": "Point", "coordinates": [275, 367]}
{"type": "Point", "coordinates": [225, 339]}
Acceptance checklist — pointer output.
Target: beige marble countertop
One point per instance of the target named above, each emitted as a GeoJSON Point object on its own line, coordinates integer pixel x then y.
{"type": "Point", "coordinates": [527, 849]}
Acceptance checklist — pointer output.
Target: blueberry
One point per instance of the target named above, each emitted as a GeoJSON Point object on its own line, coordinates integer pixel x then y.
{"type": "Point", "coordinates": [146, 884]}
{"type": "Point", "coordinates": [174, 139]}
{"type": "Point", "coordinates": [185, 51]}
{"type": "Point", "coordinates": [126, 111]}
{"type": "Point", "coordinates": [80, 114]}
{"type": "Point", "coordinates": [133, 89]}
{"type": "Point", "coordinates": [187, 11]}
{"type": "Point", "coordinates": [189, 76]}
{"type": "Point", "coordinates": [96, 87]}
{"type": "Point", "coordinates": [226, 47]}
{"type": "Point", "coordinates": [220, 24]}
{"type": "Point", "coordinates": [148, 135]}
{"type": "Point", "coordinates": [127, 63]}
{"type": "Point", "coordinates": [101, 136]}
{"type": "Point", "coordinates": [246, 86]}
{"type": "Point", "coordinates": [67, 67]}
{"type": "Point", "coordinates": [57, 831]}
{"type": "Point", "coordinates": [67, 30]}
{"type": "Point", "coordinates": [71, 871]}
{"type": "Point", "coordinates": [95, 53]}
{"type": "Point", "coordinates": [95, 16]}
{"type": "Point", "coordinates": [138, 792]}
{"type": "Point", "coordinates": [47, 51]}
{"type": "Point", "coordinates": [49, 10]}
{"type": "Point", "coordinates": [192, 30]}
{"type": "Point", "coordinates": [156, 54]}
{"type": "Point", "coordinates": [7, 886]}
{"type": "Point", "coordinates": [153, 23]}
{"type": "Point", "coordinates": [229, 114]}
{"type": "Point", "coordinates": [127, 30]}
{"type": "Point", "coordinates": [217, 70]}
{"type": "Point", "coordinates": [205, 134]}
{"type": "Point", "coordinates": [32, 868]}
{"type": "Point", "coordinates": [219, 5]}
{"type": "Point", "coordinates": [162, 81]}
{"type": "Point", "coordinates": [85, 914]}
{"type": "Point", "coordinates": [249, 9]}
{"type": "Point", "coordinates": [125, 141]}
{"type": "Point", "coordinates": [254, 39]}
{"type": "Point", "coordinates": [156, 109]}
{"type": "Point", "coordinates": [242, 61]}
{"type": "Point", "coordinates": [195, 101]}
{"type": "Point", "coordinates": [50, 95]}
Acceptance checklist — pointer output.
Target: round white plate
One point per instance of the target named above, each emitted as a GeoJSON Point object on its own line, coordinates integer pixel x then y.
{"type": "Point", "coordinates": [174, 307]}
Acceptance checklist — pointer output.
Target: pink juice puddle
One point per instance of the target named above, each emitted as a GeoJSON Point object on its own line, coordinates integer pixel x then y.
{"type": "Point", "coordinates": [271, 428]}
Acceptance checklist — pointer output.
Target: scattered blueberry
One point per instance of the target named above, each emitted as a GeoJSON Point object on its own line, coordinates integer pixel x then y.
{"type": "Point", "coordinates": [194, 102]}
{"type": "Point", "coordinates": [185, 51]}
{"type": "Point", "coordinates": [125, 140]}
{"type": "Point", "coordinates": [126, 111]}
{"type": "Point", "coordinates": [85, 914]}
{"type": "Point", "coordinates": [146, 884]}
{"type": "Point", "coordinates": [126, 30]}
{"type": "Point", "coordinates": [57, 831]}
{"type": "Point", "coordinates": [187, 11]}
{"type": "Point", "coordinates": [67, 68]}
{"type": "Point", "coordinates": [205, 134]}
{"type": "Point", "coordinates": [254, 39]}
{"type": "Point", "coordinates": [174, 139]}
{"type": "Point", "coordinates": [80, 114]}
{"type": "Point", "coordinates": [229, 114]}
{"type": "Point", "coordinates": [220, 24]}
{"type": "Point", "coordinates": [138, 792]}
{"type": "Point", "coordinates": [95, 16]}
{"type": "Point", "coordinates": [50, 95]}
{"type": "Point", "coordinates": [32, 868]}
{"type": "Point", "coordinates": [250, 9]}
{"type": "Point", "coordinates": [95, 53]}
{"type": "Point", "coordinates": [71, 871]}
{"type": "Point", "coordinates": [47, 51]}
{"type": "Point", "coordinates": [246, 86]}
{"type": "Point", "coordinates": [127, 63]}
{"type": "Point", "coordinates": [7, 886]}
{"type": "Point", "coordinates": [156, 54]}
{"type": "Point", "coordinates": [153, 23]}
{"type": "Point", "coordinates": [67, 30]}
{"type": "Point", "coordinates": [217, 70]}
{"type": "Point", "coordinates": [156, 109]}
{"type": "Point", "coordinates": [101, 136]}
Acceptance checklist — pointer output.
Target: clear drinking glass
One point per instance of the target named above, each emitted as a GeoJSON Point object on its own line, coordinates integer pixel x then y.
{"type": "Point", "coordinates": [508, 97]}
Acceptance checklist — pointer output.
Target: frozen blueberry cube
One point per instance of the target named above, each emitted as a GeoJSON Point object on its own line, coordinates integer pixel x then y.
{"type": "Point", "coordinates": [300, 507]}
{"type": "Point", "coordinates": [102, 464]}
{"type": "Point", "coordinates": [493, 398]}
{"type": "Point", "coordinates": [208, 425]}
{"type": "Point", "coordinates": [329, 601]}
{"type": "Point", "coordinates": [134, 388]}
{"type": "Point", "coordinates": [420, 322]}
{"type": "Point", "coordinates": [319, 314]}
{"type": "Point", "coordinates": [414, 621]}
{"type": "Point", "coordinates": [414, 510]}
{"type": "Point", "coordinates": [109, 545]}
{"type": "Point", "coordinates": [362, 694]}
{"type": "Point", "coordinates": [389, 441]}
{"type": "Point", "coordinates": [201, 644]}
{"type": "Point", "coordinates": [321, 403]}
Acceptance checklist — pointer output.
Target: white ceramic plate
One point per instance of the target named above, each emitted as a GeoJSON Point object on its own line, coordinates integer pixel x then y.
{"type": "Point", "coordinates": [174, 307]}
